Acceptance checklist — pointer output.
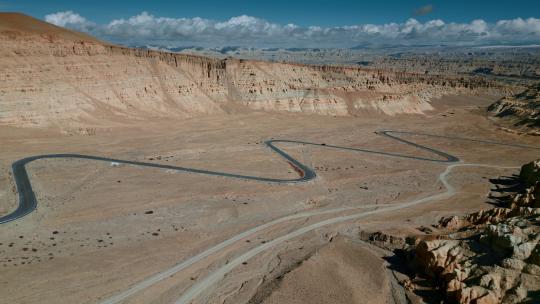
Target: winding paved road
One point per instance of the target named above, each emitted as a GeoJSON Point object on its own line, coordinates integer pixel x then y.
{"type": "Point", "coordinates": [28, 202]}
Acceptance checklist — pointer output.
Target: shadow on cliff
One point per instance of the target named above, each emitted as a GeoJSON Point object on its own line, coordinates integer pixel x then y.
{"type": "Point", "coordinates": [503, 189]}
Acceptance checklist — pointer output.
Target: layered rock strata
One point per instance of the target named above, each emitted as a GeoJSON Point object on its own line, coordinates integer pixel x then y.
{"type": "Point", "coordinates": [521, 111]}
{"type": "Point", "coordinates": [491, 256]}
{"type": "Point", "coordinates": [62, 79]}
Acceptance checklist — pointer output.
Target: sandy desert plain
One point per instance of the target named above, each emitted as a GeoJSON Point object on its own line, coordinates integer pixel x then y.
{"type": "Point", "coordinates": [100, 229]}
{"type": "Point", "coordinates": [107, 232]}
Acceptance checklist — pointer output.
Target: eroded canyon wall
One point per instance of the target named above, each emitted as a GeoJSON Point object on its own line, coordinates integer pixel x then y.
{"type": "Point", "coordinates": [48, 80]}
{"type": "Point", "coordinates": [520, 111]}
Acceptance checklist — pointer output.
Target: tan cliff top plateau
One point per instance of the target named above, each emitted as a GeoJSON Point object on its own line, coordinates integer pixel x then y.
{"type": "Point", "coordinates": [23, 24]}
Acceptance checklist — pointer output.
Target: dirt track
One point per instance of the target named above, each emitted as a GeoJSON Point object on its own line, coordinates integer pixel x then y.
{"type": "Point", "coordinates": [118, 225]}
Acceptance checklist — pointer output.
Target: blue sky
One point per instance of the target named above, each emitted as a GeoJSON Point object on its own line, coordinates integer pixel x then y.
{"type": "Point", "coordinates": [287, 23]}
{"type": "Point", "coordinates": [303, 12]}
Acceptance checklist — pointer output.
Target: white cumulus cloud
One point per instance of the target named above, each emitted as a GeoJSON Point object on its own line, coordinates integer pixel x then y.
{"type": "Point", "coordinates": [70, 20]}
{"type": "Point", "coordinates": [250, 31]}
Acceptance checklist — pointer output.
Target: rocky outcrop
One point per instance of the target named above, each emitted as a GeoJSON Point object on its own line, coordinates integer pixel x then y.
{"type": "Point", "coordinates": [521, 111]}
{"type": "Point", "coordinates": [496, 264]}
{"type": "Point", "coordinates": [389, 240]}
{"type": "Point", "coordinates": [530, 173]}
{"type": "Point", "coordinates": [491, 256]}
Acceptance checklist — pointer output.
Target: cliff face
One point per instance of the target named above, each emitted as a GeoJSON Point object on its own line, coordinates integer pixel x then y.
{"type": "Point", "coordinates": [71, 83]}
{"type": "Point", "coordinates": [521, 110]}
{"type": "Point", "coordinates": [50, 80]}
{"type": "Point", "coordinates": [491, 256]}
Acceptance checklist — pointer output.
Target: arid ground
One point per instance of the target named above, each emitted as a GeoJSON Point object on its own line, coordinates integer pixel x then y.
{"type": "Point", "coordinates": [102, 228]}
{"type": "Point", "coordinates": [374, 156]}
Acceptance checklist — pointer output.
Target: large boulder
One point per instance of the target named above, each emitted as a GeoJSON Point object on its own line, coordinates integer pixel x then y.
{"type": "Point", "coordinates": [502, 238]}
{"type": "Point", "coordinates": [437, 257]}
{"type": "Point", "coordinates": [530, 173]}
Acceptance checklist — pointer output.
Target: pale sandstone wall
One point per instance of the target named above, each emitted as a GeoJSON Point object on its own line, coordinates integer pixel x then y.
{"type": "Point", "coordinates": [69, 83]}
{"type": "Point", "coordinates": [45, 80]}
